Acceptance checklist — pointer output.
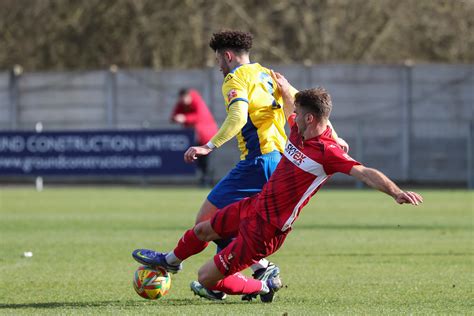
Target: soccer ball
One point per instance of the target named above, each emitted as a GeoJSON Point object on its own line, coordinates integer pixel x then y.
{"type": "Point", "coordinates": [151, 283]}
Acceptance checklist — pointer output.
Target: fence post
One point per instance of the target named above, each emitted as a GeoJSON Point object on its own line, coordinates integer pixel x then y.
{"type": "Point", "coordinates": [211, 88]}
{"type": "Point", "coordinates": [14, 94]}
{"type": "Point", "coordinates": [406, 120]}
{"type": "Point", "coordinates": [111, 97]}
{"type": "Point", "coordinates": [359, 149]}
{"type": "Point", "coordinates": [470, 155]}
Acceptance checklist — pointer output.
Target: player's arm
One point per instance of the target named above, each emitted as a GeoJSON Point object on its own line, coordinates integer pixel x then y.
{"type": "Point", "coordinates": [288, 93]}
{"type": "Point", "coordinates": [177, 115]}
{"type": "Point", "coordinates": [190, 117]}
{"type": "Point", "coordinates": [234, 122]}
{"type": "Point", "coordinates": [378, 180]}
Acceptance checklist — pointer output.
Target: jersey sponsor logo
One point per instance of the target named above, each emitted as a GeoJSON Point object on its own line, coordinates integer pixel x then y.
{"type": "Point", "coordinates": [308, 164]}
{"type": "Point", "coordinates": [296, 156]}
{"type": "Point", "coordinates": [302, 161]}
{"type": "Point", "coordinates": [231, 94]}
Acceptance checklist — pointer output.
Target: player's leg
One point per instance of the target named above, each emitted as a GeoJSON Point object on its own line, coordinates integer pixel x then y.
{"type": "Point", "coordinates": [211, 278]}
{"type": "Point", "coordinates": [239, 183]}
{"type": "Point", "coordinates": [265, 165]}
{"type": "Point", "coordinates": [224, 223]}
{"type": "Point", "coordinates": [246, 179]}
{"type": "Point", "coordinates": [206, 211]}
{"type": "Point", "coordinates": [263, 269]}
{"type": "Point", "coordinates": [227, 191]}
{"type": "Point", "coordinates": [195, 239]}
{"type": "Point", "coordinates": [238, 255]}
{"type": "Point", "coordinates": [221, 276]}
{"type": "Point", "coordinates": [192, 242]}
{"type": "Point", "coordinates": [224, 193]}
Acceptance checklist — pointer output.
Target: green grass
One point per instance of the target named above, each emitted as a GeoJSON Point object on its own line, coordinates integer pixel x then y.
{"type": "Point", "coordinates": [351, 252]}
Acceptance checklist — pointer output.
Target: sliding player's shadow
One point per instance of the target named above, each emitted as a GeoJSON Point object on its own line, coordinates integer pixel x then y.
{"type": "Point", "coordinates": [129, 303]}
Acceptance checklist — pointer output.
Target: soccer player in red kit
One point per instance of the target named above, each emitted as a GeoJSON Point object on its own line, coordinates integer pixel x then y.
{"type": "Point", "coordinates": [261, 223]}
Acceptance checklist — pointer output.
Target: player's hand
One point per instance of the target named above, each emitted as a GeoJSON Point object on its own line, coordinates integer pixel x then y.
{"type": "Point", "coordinates": [282, 84]}
{"type": "Point", "coordinates": [341, 142]}
{"type": "Point", "coordinates": [179, 118]}
{"type": "Point", "coordinates": [409, 197]}
{"type": "Point", "coordinates": [194, 152]}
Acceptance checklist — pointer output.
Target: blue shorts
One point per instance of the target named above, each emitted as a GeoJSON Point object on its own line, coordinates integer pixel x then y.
{"type": "Point", "coordinates": [246, 179]}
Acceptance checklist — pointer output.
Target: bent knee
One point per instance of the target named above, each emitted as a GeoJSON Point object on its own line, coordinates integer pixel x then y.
{"type": "Point", "coordinates": [204, 231]}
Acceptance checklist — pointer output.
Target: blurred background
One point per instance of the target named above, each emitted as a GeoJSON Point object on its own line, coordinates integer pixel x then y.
{"type": "Point", "coordinates": [85, 84]}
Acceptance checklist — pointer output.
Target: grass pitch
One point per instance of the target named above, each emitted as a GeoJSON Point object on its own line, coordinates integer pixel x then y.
{"type": "Point", "coordinates": [351, 252]}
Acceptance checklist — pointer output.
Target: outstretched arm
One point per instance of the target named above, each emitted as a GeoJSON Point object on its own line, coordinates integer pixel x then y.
{"type": "Point", "coordinates": [377, 180]}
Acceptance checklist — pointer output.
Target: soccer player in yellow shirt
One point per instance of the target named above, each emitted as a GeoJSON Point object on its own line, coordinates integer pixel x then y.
{"type": "Point", "coordinates": [255, 116]}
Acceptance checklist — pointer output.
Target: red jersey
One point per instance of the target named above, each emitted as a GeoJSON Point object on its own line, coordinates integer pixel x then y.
{"type": "Point", "coordinates": [198, 117]}
{"type": "Point", "coordinates": [304, 167]}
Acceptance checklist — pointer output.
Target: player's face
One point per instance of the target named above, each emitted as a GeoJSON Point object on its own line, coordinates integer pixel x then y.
{"type": "Point", "coordinates": [223, 63]}
{"type": "Point", "coordinates": [300, 119]}
{"type": "Point", "coordinates": [186, 99]}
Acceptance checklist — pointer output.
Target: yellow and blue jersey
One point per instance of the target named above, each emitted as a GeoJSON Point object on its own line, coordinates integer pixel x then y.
{"type": "Point", "coordinates": [264, 131]}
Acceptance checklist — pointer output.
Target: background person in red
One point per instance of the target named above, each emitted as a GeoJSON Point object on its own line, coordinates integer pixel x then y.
{"type": "Point", "coordinates": [192, 112]}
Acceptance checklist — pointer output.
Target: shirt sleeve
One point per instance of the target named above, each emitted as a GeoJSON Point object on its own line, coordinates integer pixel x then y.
{"type": "Point", "coordinates": [235, 120]}
{"type": "Point", "coordinates": [336, 160]}
{"type": "Point", "coordinates": [233, 90]}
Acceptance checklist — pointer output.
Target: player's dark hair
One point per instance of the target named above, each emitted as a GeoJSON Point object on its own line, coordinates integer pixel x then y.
{"type": "Point", "coordinates": [237, 41]}
{"type": "Point", "coordinates": [183, 91]}
{"type": "Point", "coordinates": [316, 101]}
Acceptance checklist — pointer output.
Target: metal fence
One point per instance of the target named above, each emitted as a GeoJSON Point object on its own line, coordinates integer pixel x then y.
{"type": "Point", "coordinates": [413, 122]}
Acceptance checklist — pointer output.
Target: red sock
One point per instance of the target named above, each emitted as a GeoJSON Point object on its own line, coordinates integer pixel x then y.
{"type": "Point", "coordinates": [238, 284]}
{"type": "Point", "coordinates": [189, 245]}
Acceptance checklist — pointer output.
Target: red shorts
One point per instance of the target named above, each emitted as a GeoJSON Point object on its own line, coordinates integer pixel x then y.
{"type": "Point", "coordinates": [254, 237]}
